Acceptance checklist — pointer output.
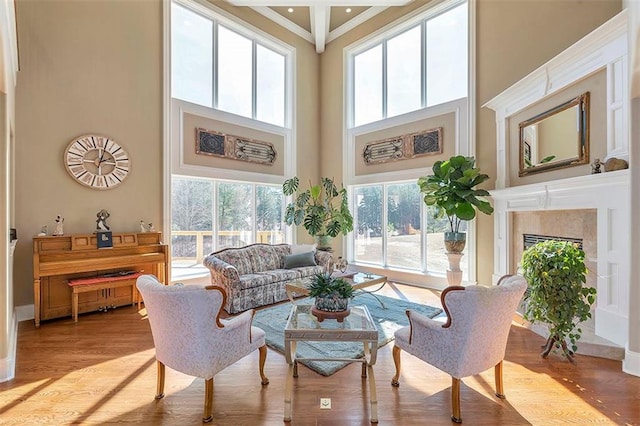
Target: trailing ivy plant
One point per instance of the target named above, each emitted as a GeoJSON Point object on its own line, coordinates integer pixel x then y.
{"type": "Point", "coordinates": [556, 274]}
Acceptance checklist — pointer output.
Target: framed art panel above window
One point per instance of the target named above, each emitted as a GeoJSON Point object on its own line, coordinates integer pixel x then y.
{"type": "Point", "coordinates": [412, 145]}
{"type": "Point", "coordinates": [211, 142]}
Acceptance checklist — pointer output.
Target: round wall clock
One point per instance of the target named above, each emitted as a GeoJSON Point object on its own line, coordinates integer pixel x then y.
{"type": "Point", "coordinates": [97, 161]}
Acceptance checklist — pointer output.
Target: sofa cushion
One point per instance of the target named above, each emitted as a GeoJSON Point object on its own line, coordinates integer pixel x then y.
{"type": "Point", "coordinates": [302, 248]}
{"type": "Point", "coordinates": [254, 280]}
{"type": "Point", "coordinates": [299, 260]}
{"type": "Point", "coordinates": [307, 271]}
{"type": "Point", "coordinates": [238, 257]}
{"type": "Point", "coordinates": [263, 257]}
{"type": "Point", "coordinates": [278, 275]}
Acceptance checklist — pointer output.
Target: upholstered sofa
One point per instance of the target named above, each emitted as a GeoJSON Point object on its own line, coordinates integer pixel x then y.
{"type": "Point", "coordinates": [256, 275]}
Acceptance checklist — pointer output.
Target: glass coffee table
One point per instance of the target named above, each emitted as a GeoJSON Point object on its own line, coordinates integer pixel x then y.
{"type": "Point", "coordinates": [360, 281]}
{"type": "Point", "coordinates": [358, 326]}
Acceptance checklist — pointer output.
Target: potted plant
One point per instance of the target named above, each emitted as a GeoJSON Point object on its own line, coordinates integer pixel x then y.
{"type": "Point", "coordinates": [452, 191]}
{"type": "Point", "coordinates": [557, 296]}
{"type": "Point", "coordinates": [322, 209]}
{"type": "Point", "coordinates": [331, 296]}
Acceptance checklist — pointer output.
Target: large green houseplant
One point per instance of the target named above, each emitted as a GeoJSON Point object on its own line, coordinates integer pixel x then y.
{"type": "Point", "coordinates": [322, 209]}
{"type": "Point", "coordinates": [557, 296]}
{"type": "Point", "coordinates": [451, 189]}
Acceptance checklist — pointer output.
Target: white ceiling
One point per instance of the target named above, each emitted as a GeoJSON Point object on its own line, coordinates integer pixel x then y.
{"type": "Point", "coordinates": [319, 15]}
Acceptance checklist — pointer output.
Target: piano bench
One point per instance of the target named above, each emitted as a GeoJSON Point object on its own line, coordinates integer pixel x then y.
{"type": "Point", "coordinates": [83, 285]}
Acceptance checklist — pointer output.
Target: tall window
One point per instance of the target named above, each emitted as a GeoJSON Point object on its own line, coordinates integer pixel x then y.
{"type": "Point", "coordinates": [422, 66]}
{"type": "Point", "coordinates": [392, 225]}
{"type": "Point", "coordinates": [209, 215]}
{"type": "Point", "coordinates": [217, 66]}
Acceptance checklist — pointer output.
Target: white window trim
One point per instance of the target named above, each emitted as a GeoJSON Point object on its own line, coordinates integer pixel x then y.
{"type": "Point", "coordinates": [172, 113]}
{"type": "Point", "coordinates": [465, 141]}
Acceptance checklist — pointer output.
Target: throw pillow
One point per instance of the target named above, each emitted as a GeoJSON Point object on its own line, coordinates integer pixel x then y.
{"type": "Point", "coordinates": [299, 260]}
{"type": "Point", "coordinates": [302, 248]}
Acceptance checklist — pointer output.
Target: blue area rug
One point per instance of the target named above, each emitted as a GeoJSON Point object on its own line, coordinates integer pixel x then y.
{"type": "Point", "coordinates": [273, 320]}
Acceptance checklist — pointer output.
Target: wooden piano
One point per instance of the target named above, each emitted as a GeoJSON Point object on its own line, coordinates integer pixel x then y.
{"type": "Point", "coordinates": [57, 259]}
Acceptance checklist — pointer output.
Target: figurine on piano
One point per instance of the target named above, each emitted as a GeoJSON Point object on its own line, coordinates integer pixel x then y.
{"type": "Point", "coordinates": [101, 222]}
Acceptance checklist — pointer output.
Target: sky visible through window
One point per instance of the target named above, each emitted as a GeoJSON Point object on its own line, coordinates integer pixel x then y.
{"type": "Point", "coordinates": [193, 75]}
{"type": "Point", "coordinates": [388, 89]}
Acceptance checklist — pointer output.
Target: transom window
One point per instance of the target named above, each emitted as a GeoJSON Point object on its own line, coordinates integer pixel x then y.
{"type": "Point", "coordinates": [421, 66]}
{"type": "Point", "coordinates": [218, 66]}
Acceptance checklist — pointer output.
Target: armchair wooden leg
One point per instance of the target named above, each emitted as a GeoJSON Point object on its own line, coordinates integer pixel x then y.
{"type": "Point", "coordinates": [263, 359]}
{"type": "Point", "coordinates": [160, 381]}
{"type": "Point", "coordinates": [396, 361]}
{"type": "Point", "coordinates": [208, 400]}
{"type": "Point", "coordinates": [455, 400]}
{"type": "Point", "coordinates": [499, 384]}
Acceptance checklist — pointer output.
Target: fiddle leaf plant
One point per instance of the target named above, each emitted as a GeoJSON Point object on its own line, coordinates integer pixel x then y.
{"type": "Point", "coordinates": [452, 190]}
{"type": "Point", "coordinates": [557, 296]}
{"type": "Point", "coordinates": [322, 209]}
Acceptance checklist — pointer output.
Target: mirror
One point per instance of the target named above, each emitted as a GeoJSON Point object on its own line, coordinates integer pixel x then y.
{"type": "Point", "coordinates": [556, 138]}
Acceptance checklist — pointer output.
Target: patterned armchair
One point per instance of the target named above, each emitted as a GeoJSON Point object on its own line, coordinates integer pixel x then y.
{"type": "Point", "coordinates": [190, 337]}
{"type": "Point", "coordinates": [472, 340]}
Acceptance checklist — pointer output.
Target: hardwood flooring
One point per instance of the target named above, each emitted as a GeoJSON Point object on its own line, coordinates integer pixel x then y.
{"type": "Point", "coordinates": [102, 371]}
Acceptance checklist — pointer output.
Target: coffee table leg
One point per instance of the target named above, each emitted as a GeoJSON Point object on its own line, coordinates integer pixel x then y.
{"type": "Point", "coordinates": [290, 352]}
{"type": "Point", "coordinates": [373, 396]}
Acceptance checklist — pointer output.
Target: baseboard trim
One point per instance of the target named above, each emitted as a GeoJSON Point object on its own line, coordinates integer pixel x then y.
{"type": "Point", "coordinates": [8, 364]}
{"type": "Point", "coordinates": [631, 362]}
{"type": "Point", "coordinates": [24, 313]}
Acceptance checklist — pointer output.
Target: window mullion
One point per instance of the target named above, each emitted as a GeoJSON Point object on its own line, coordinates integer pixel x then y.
{"type": "Point", "coordinates": [214, 62]}
{"type": "Point", "coordinates": [385, 223]}
{"type": "Point", "coordinates": [254, 212]}
{"type": "Point", "coordinates": [384, 79]}
{"type": "Point", "coordinates": [214, 215]}
{"type": "Point", "coordinates": [254, 80]}
{"type": "Point", "coordinates": [423, 63]}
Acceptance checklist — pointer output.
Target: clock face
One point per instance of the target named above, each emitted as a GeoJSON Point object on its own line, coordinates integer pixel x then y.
{"type": "Point", "coordinates": [97, 162]}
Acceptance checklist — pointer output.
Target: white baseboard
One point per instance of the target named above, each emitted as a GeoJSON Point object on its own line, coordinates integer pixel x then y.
{"type": "Point", "coordinates": [24, 313]}
{"type": "Point", "coordinates": [631, 362]}
{"type": "Point", "coordinates": [8, 364]}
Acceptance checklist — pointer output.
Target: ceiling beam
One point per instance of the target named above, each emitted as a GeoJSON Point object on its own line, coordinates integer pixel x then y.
{"type": "Point", "coordinates": [320, 25]}
{"type": "Point", "coordinates": [319, 2]}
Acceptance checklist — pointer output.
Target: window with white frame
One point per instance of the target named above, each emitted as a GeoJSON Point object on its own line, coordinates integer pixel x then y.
{"type": "Point", "coordinates": [412, 68]}
{"type": "Point", "coordinates": [210, 214]}
{"type": "Point", "coordinates": [222, 66]}
{"type": "Point", "coordinates": [394, 229]}
{"type": "Point", "coordinates": [226, 66]}
{"type": "Point", "coordinates": [418, 68]}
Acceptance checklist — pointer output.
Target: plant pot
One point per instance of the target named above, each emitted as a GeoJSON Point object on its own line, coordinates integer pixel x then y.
{"type": "Point", "coordinates": [454, 242]}
{"type": "Point", "coordinates": [323, 242]}
{"type": "Point", "coordinates": [332, 303]}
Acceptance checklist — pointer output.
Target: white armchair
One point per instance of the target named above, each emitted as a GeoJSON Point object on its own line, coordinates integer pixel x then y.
{"type": "Point", "coordinates": [473, 338]}
{"type": "Point", "coordinates": [190, 336]}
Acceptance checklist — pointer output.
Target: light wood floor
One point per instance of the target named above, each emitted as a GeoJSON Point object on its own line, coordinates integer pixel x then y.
{"type": "Point", "coordinates": [102, 371]}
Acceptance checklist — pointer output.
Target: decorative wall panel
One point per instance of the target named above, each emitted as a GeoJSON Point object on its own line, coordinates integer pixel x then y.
{"type": "Point", "coordinates": [411, 145]}
{"type": "Point", "coordinates": [210, 142]}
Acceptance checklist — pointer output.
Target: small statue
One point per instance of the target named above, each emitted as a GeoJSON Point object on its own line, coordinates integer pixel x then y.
{"type": "Point", "coordinates": [101, 222]}
{"type": "Point", "coordinates": [43, 231]}
{"type": "Point", "coordinates": [595, 166]}
{"type": "Point", "coordinates": [143, 226]}
{"type": "Point", "coordinates": [151, 228]}
{"type": "Point", "coordinates": [59, 226]}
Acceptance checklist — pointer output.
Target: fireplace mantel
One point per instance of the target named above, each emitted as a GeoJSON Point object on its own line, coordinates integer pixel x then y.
{"type": "Point", "coordinates": [604, 49]}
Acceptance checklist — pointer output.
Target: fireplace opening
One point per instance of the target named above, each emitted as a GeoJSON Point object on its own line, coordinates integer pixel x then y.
{"type": "Point", "coordinates": [532, 239]}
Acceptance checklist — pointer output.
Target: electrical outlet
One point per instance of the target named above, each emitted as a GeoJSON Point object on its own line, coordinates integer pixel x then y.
{"type": "Point", "coordinates": [325, 403]}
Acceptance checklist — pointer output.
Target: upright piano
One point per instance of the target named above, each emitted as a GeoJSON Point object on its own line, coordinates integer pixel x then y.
{"type": "Point", "coordinates": [57, 259]}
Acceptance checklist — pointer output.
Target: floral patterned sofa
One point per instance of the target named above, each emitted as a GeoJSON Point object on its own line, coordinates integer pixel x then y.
{"type": "Point", "coordinates": [256, 275]}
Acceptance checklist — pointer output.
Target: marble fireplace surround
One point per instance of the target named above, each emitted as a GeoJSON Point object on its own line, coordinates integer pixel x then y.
{"type": "Point", "coordinates": [575, 199]}
{"type": "Point", "coordinates": [571, 191]}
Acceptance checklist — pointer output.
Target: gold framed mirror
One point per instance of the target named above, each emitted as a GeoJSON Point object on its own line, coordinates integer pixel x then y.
{"type": "Point", "coordinates": [556, 138]}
